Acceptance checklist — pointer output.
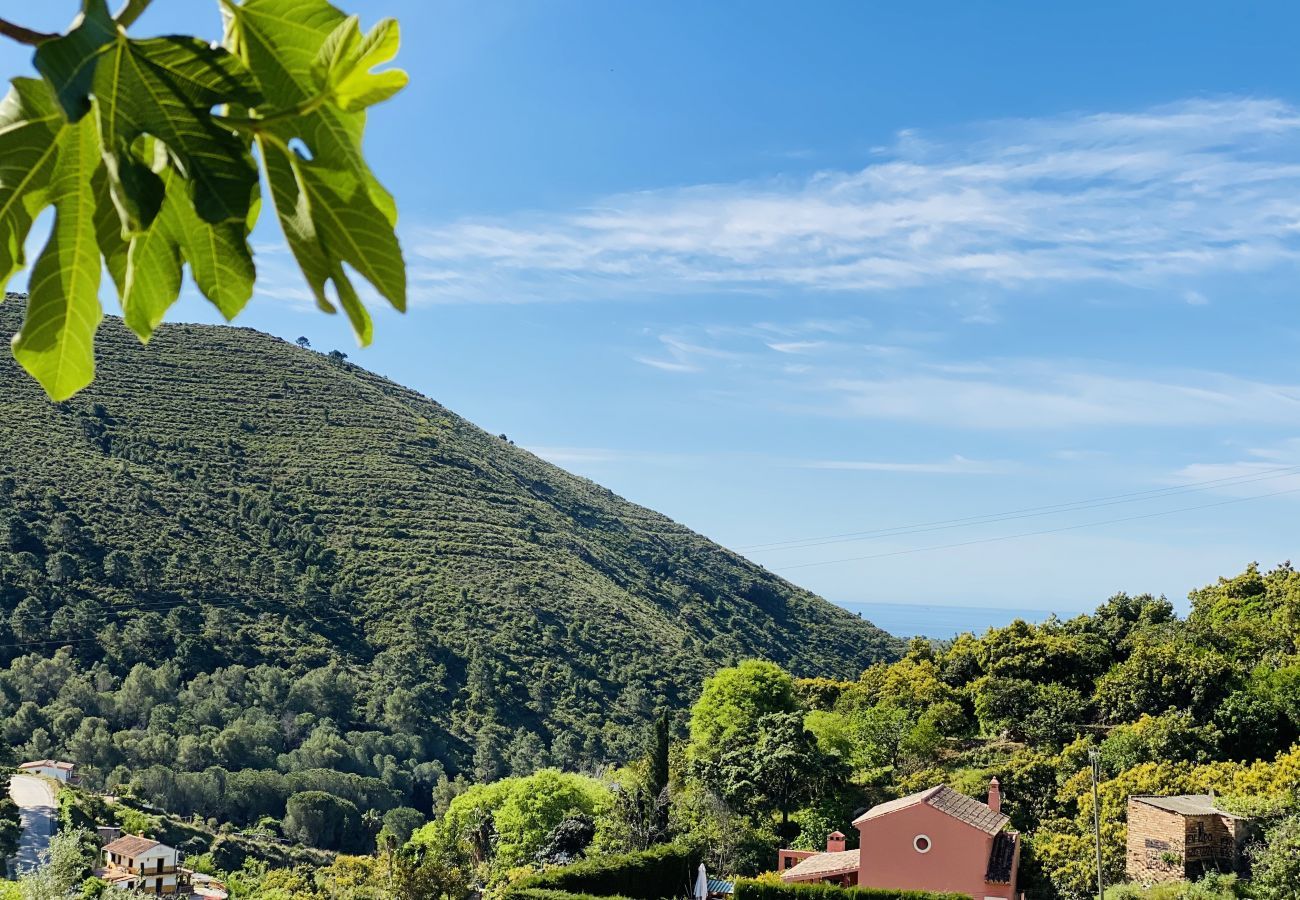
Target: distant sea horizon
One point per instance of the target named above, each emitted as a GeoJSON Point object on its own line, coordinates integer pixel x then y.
{"type": "Point", "coordinates": [941, 622]}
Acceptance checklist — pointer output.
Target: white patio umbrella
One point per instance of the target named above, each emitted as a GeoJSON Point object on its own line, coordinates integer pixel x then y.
{"type": "Point", "coordinates": [702, 884]}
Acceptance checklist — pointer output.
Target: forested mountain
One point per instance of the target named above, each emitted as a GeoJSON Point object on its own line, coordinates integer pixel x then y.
{"type": "Point", "coordinates": [232, 553]}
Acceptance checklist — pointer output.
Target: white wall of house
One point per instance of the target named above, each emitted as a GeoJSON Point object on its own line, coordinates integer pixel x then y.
{"type": "Point", "coordinates": [152, 884]}
{"type": "Point", "coordinates": [153, 861]}
{"type": "Point", "coordinates": [148, 861]}
{"type": "Point", "coordinates": [153, 871]}
{"type": "Point", "coordinates": [49, 772]}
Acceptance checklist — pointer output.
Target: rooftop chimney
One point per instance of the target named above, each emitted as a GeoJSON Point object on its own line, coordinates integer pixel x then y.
{"type": "Point", "coordinates": [835, 842]}
{"type": "Point", "coordinates": [995, 795]}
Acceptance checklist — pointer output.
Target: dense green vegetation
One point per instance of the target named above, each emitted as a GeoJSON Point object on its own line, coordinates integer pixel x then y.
{"type": "Point", "coordinates": [1203, 704]}
{"type": "Point", "coordinates": [664, 871]}
{"type": "Point", "coordinates": [511, 821]}
{"type": "Point", "coordinates": [236, 573]}
{"type": "Point", "coordinates": [66, 866]}
{"type": "Point", "coordinates": [1195, 705]}
{"type": "Point", "coordinates": [219, 845]}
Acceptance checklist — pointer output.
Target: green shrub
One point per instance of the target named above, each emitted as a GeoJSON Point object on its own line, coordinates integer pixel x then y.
{"type": "Point", "coordinates": [1276, 861]}
{"type": "Point", "coordinates": [547, 894]}
{"type": "Point", "coordinates": [1213, 886]}
{"type": "Point", "coordinates": [1125, 892]}
{"type": "Point", "coordinates": [74, 812]}
{"type": "Point", "coordinates": [664, 871]}
{"type": "Point", "coordinates": [10, 820]}
{"type": "Point", "coordinates": [135, 821]}
{"type": "Point", "coordinates": [749, 889]}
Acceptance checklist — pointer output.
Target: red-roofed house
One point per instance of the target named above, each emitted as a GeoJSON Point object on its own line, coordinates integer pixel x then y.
{"type": "Point", "coordinates": [141, 864]}
{"type": "Point", "coordinates": [50, 768]}
{"type": "Point", "coordinates": [935, 840]}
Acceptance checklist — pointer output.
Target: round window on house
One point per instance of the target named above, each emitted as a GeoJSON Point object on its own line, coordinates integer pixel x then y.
{"type": "Point", "coordinates": [922, 843]}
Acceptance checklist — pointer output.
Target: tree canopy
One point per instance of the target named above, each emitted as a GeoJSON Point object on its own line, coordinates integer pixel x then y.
{"type": "Point", "coordinates": [733, 701]}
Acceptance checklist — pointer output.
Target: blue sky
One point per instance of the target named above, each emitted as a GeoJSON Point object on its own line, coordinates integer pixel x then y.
{"type": "Point", "coordinates": [785, 271]}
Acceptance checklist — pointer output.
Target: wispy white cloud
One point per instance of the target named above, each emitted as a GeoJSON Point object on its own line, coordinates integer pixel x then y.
{"type": "Point", "coordinates": [957, 465]}
{"type": "Point", "coordinates": [795, 346]}
{"type": "Point", "coordinates": [667, 365]}
{"type": "Point", "coordinates": [1074, 455]}
{"type": "Point", "coordinates": [812, 327]}
{"type": "Point", "coordinates": [1144, 197]}
{"type": "Point", "coordinates": [680, 355]}
{"type": "Point", "coordinates": [1257, 470]}
{"type": "Point", "coordinates": [844, 377]}
{"type": "Point", "coordinates": [1037, 394]}
{"type": "Point", "coordinates": [1282, 453]}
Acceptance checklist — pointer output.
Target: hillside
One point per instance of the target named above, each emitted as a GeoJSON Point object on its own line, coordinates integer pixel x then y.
{"type": "Point", "coordinates": [405, 592]}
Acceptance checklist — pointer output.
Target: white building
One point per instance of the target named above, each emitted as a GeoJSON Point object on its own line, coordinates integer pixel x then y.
{"type": "Point", "coordinates": [51, 768]}
{"type": "Point", "coordinates": [140, 864]}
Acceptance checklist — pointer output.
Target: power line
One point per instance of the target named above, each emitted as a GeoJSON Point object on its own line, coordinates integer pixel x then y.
{"type": "Point", "coordinates": [1026, 512]}
{"type": "Point", "coordinates": [1025, 534]}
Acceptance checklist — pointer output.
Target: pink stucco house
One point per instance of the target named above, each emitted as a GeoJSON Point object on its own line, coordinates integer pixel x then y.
{"type": "Point", "coordinates": [936, 840]}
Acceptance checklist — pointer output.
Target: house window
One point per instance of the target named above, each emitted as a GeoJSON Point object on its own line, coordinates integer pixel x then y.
{"type": "Point", "coordinates": [922, 843]}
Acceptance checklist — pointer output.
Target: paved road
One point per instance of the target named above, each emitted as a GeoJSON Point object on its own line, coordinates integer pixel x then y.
{"type": "Point", "coordinates": [35, 797]}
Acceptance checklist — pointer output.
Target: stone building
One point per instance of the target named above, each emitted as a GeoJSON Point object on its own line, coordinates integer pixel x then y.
{"type": "Point", "coordinates": [1182, 837]}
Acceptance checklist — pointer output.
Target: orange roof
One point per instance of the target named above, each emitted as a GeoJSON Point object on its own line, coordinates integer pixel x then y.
{"type": "Point", "coordinates": [946, 800]}
{"type": "Point", "coordinates": [131, 845]}
{"type": "Point", "coordinates": [823, 865]}
{"type": "Point", "coordinates": [47, 764]}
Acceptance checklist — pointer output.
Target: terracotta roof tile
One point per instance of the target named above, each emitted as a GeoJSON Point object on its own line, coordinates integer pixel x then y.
{"type": "Point", "coordinates": [968, 810]}
{"type": "Point", "coordinates": [946, 800]}
{"type": "Point", "coordinates": [130, 845]}
{"type": "Point", "coordinates": [882, 809]}
{"type": "Point", "coordinates": [823, 864]}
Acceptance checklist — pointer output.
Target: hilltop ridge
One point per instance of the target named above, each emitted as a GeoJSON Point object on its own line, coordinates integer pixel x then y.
{"type": "Point", "coordinates": [222, 498]}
